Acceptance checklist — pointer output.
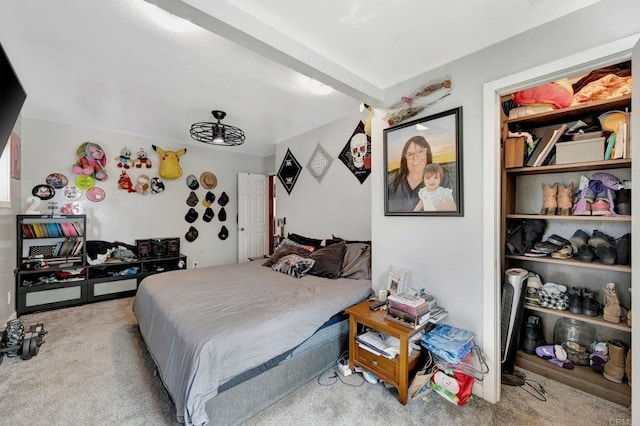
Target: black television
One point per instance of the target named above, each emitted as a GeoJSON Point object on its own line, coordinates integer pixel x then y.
{"type": "Point", "coordinates": [12, 97]}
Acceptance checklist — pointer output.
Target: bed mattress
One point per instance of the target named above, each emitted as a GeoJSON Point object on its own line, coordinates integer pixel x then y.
{"type": "Point", "coordinates": [203, 327]}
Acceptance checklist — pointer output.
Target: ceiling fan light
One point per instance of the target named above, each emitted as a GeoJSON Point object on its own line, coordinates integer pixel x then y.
{"type": "Point", "coordinates": [217, 133]}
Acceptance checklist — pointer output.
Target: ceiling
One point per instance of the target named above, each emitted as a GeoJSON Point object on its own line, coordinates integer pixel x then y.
{"type": "Point", "coordinates": [109, 65]}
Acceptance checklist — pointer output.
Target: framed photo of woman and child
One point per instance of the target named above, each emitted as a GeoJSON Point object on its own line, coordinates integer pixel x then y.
{"type": "Point", "coordinates": [423, 166]}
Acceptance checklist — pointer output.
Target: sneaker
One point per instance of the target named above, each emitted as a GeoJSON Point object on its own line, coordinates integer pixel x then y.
{"type": "Point", "coordinates": [590, 306]}
{"type": "Point", "coordinates": [575, 300]}
{"type": "Point", "coordinates": [600, 207]}
{"type": "Point", "coordinates": [582, 202]}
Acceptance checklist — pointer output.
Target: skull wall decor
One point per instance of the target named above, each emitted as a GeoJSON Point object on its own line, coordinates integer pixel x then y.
{"type": "Point", "coordinates": [356, 154]}
{"type": "Point", "coordinates": [358, 149]}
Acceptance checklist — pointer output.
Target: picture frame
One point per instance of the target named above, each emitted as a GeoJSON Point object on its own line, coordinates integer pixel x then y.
{"type": "Point", "coordinates": [397, 280]}
{"type": "Point", "coordinates": [409, 149]}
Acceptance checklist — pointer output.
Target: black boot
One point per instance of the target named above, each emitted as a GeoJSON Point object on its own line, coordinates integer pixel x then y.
{"type": "Point", "coordinates": [532, 337]}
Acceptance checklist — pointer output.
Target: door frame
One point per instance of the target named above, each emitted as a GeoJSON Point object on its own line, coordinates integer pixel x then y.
{"type": "Point", "coordinates": [607, 54]}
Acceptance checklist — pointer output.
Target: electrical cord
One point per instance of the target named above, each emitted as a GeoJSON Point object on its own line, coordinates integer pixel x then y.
{"type": "Point", "coordinates": [540, 392]}
{"type": "Point", "coordinates": [334, 374]}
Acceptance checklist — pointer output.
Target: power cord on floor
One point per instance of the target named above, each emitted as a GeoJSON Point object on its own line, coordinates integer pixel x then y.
{"type": "Point", "coordinates": [540, 392]}
{"type": "Point", "coordinates": [333, 375]}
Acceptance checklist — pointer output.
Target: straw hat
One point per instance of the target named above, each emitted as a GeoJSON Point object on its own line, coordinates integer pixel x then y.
{"type": "Point", "coordinates": [208, 180]}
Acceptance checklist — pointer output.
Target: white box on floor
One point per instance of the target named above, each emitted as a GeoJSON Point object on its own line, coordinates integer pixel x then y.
{"type": "Point", "coordinates": [580, 151]}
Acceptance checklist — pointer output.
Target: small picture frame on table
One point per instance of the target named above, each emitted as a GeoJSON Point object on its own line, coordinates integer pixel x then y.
{"type": "Point", "coordinates": [397, 281]}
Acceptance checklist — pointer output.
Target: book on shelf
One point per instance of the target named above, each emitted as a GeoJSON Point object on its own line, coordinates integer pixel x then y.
{"type": "Point", "coordinates": [412, 321]}
{"type": "Point", "coordinates": [548, 141]}
{"type": "Point", "coordinates": [412, 304]}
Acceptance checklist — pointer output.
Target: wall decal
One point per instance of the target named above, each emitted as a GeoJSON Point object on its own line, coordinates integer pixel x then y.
{"type": "Point", "coordinates": [289, 171]}
{"type": "Point", "coordinates": [319, 163]}
{"type": "Point", "coordinates": [356, 154]}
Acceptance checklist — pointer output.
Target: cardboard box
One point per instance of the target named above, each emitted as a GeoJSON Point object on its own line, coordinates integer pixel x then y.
{"type": "Point", "coordinates": [580, 151]}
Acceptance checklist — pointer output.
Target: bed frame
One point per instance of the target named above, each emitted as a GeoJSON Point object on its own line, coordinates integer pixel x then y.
{"type": "Point", "coordinates": [241, 402]}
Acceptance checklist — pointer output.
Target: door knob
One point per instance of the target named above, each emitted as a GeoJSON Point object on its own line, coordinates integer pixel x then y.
{"type": "Point", "coordinates": [242, 229]}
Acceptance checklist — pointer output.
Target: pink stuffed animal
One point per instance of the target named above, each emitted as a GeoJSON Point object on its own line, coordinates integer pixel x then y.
{"type": "Point", "coordinates": [91, 161]}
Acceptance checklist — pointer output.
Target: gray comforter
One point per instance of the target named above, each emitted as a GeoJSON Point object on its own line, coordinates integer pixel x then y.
{"type": "Point", "coordinates": [205, 326]}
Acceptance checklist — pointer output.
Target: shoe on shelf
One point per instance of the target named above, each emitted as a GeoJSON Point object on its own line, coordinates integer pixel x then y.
{"type": "Point", "coordinates": [612, 310]}
{"type": "Point", "coordinates": [582, 202]}
{"type": "Point", "coordinates": [623, 250]}
{"type": "Point", "coordinates": [564, 199]}
{"type": "Point", "coordinates": [564, 253]}
{"type": "Point", "coordinates": [585, 253]}
{"type": "Point", "coordinates": [575, 300]}
{"type": "Point", "coordinates": [579, 238]}
{"type": "Point", "coordinates": [549, 199]}
{"type": "Point", "coordinates": [590, 306]}
{"type": "Point", "coordinates": [534, 284]}
{"type": "Point", "coordinates": [623, 202]}
{"type": "Point", "coordinates": [615, 367]}
{"type": "Point", "coordinates": [532, 334]}
{"type": "Point", "coordinates": [601, 207]}
{"type": "Point", "coordinates": [606, 254]}
{"type": "Point", "coordinates": [600, 238]}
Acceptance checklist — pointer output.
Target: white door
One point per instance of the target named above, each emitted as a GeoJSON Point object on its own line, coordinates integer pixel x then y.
{"type": "Point", "coordinates": [253, 216]}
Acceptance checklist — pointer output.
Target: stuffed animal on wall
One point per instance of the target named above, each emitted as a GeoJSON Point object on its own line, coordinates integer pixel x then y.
{"type": "Point", "coordinates": [142, 184]}
{"type": "Point", "coordinates": [124, 182]}
{"type": "Point", "coordinates": [143, 159]}
{"type": "Point", "coordinates": [169, 162]}
{"type": "Point", "coordinates": [125, 158]}
{"type": "Point", "coordinates": [91, 161]}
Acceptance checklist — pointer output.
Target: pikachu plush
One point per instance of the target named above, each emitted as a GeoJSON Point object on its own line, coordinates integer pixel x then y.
{"type": "Point", "coordinates": [169, 162]}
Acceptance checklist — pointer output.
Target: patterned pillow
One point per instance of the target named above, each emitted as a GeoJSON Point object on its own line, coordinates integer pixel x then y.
{"type": "Point", "coordinates": [294, 265]}
{"type": "Point", "coordinates": [284, 251]}
{"type": "Point", "coordinates": [288, 242]}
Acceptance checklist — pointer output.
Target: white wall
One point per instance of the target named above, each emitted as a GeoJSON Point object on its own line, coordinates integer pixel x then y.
{"type": "Point", "coordinates": [51, 147]}
{"type": "Point", "coordinates": [444, 254]}
{"type": "Point", "coordinates": [8, 246]}
{"type": "Point", "coordinates": [339, 205]}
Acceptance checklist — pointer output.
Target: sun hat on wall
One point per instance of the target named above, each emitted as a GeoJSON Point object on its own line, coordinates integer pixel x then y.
{"type": "Point", "coordinates": [208, 180]}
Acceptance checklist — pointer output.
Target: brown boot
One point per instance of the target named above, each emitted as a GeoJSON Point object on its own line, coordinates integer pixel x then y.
{"type": "Point", "coordinates": [612, 310]}
{"type": "Point", "coordinates": [565, 199]}
{"type": "Point", "coordinates": [549, 199]}
{"type": "Point", "coordinates": [628, 367]}
{"type": "Point", "coordinates": [614, 368]}
{"type": "Point", "coordinates": [629, 318]}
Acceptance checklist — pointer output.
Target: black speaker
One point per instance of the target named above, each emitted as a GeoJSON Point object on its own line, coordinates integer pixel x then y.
{"type": "Point", "coordinates": [173, 247]}
{"type": "Point", "coordinates": [144, 248]}
{"type": "Point", "coordinates": [159, 247]}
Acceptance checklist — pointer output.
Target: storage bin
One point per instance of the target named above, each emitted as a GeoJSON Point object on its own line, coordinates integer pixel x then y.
{"type": "Point", "coordinates": [580, 151]}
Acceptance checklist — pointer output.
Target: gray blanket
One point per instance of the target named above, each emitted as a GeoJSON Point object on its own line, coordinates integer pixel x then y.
{"type": "Point", "coordinates": [205, 326]}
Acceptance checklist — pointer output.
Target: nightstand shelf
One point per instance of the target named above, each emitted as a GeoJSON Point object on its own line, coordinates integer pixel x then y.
{"type": "Point", "coordinates": [396, 371]}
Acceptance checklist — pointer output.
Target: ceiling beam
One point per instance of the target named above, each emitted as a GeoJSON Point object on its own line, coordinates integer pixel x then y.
{"type": "Point", "coordinates": [227, 21]}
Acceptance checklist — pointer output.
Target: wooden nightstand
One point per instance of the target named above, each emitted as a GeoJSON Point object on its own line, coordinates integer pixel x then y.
{"type": "Point", "coordinates": [393, 371]}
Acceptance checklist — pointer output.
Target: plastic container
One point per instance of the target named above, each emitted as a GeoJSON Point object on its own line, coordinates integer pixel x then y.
{"type": "Point", "coordinates": [576, 337]}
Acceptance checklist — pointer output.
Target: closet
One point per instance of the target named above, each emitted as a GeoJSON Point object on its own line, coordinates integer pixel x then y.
{"type": "Point", "coordinates": [574, 158]}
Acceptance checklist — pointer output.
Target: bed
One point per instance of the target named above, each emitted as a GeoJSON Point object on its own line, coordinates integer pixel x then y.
{"type": "Point", "coordinates": [219, 332]}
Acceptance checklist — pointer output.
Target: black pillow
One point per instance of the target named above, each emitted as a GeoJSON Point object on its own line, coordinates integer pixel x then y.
{"type": "Point", "coordinates": [335, 239]}
{"type": "Point", "coordinates": [328, 260]}
{"type": "Point", "coordinates": [300, 239]}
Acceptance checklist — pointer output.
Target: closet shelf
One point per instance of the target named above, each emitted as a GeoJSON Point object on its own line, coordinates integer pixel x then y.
{"type": "Point", "coordinates": [571, 167]}
{"type": "Point", "coordinates": [592, 320]}
{"type": "Point", "coordinates": [569, 218]}
{"type": "Point", "coordinates": [571, 262]}
{"type": "Point", "coordinates": [581, 377]}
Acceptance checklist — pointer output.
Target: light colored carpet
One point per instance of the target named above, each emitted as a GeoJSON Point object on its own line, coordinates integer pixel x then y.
{"type": "Point", "coordinates": [95, 370]}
